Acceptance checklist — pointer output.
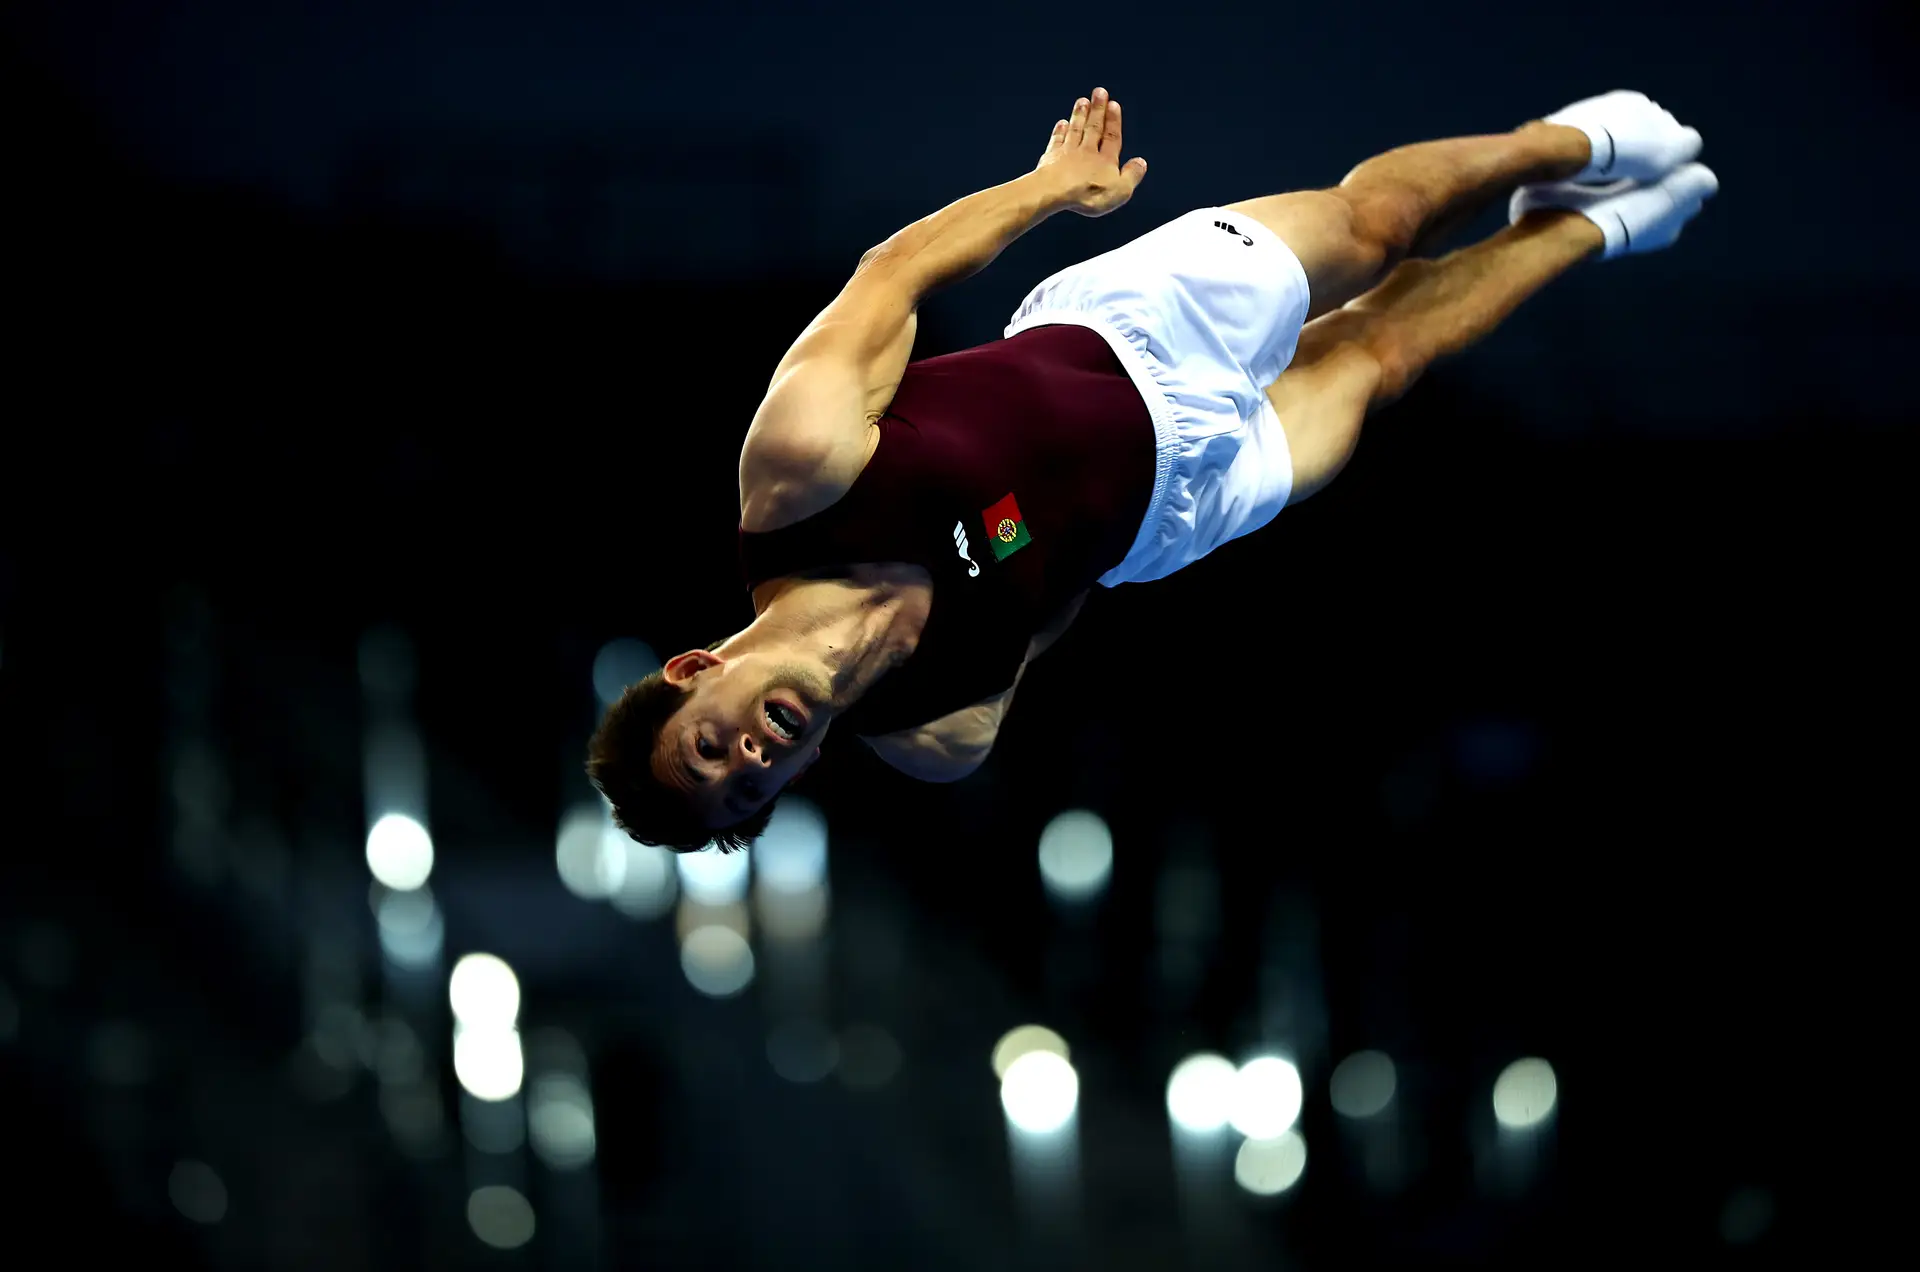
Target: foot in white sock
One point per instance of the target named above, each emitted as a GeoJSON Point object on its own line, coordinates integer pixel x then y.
{"type": "Point", "coordinates": [1632, 137]}
{"type": "Point", "coordinates": [1634, 218]}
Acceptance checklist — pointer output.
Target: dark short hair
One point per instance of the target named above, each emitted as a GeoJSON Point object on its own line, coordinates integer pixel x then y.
{"type": "Point", "coordinates": [620, 762]}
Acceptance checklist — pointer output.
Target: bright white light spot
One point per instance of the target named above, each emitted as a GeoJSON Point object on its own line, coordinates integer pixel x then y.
{"type": "Point", "coordinates": [1200, 1092]}
{"type": "Point", "coordinates": [197, 1192]}
{"type": "Point", "coordinates": [618, 664]}
{"type": "Point", "coordinates": [500, 1217]}
{"type": "Point", "coordinates": [1524, 1094]}
{"type": "Point", "coordinates": [1039, 1092]}
{"type": "Point", "coordinates": [1076, 855]}
{"type": "Point", "coordinates": [712, 877]}
{"type": "Point", "coordinates": [1363, 1084]}
{"type": "Point", "coordinates": [1265, 1167]}
{"type": "Point", "coordinates": [560, 1121]}
{"type": "Point", "coordinates": [640, 877]}
{"type": "Point", "coordinates": [1266, 1097]}
{"type": "Point", "coordinates": [802, 1051]}
{"type": "Point", "coordinates": [717, 960]}
{"type": "Point", "coordinates": [411, 929]}
{"type": "Point", "coordinates": [1026, 1038]}
{"type": "Point", "coordinates": [399, 852]}
{"type": "Point", "coordinates": [577, 852]}
{"type": "Point", "coordinates": [484, 993]}
{"type": "Point", "coordinates": [791, 856]}
{"type": "Point", "coordinates": [488, 1061]}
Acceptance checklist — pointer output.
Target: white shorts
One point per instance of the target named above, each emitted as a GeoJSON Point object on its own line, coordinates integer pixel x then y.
{"type": "Point", "coordinates": [1204, 313]}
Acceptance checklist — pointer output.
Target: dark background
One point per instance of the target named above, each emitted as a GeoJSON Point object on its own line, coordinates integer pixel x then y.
{"type": "Point", "coordinates": [1571, 722]}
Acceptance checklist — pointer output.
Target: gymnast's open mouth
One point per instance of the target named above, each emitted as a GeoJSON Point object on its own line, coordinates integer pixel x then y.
{"type": "Point", "coordinates": [789, 722]}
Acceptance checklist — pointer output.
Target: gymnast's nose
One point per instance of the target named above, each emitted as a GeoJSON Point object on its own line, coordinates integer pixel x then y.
{"type": "Point", "coordinates": [750, 753]}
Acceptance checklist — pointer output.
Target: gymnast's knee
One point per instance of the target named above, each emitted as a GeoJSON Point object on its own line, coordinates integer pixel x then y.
{"type": "Point", "coordinates": [1400, 361]}
{"type": "Point", "coordinates": [1383, 223]}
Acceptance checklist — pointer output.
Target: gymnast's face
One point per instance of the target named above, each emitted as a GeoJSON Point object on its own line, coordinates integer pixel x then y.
{"type": "Point", "coordinates": [750, 724]}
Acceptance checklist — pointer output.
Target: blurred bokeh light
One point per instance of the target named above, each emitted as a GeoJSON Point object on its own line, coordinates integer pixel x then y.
{"type": "Point", "coordinates": [399, 852]}
{"type": "Point", "coordinates": [1363, 1084]}
{"type": "Point", "coordinates": [1525, 1093]}
{"type": "Point", "coordinates": [1268, 1167]}
{"type": "Point", "coordinates": [1265, 1098]}
{"type": "Point", "coordinates": [1200, 1092]}
{"type": "Point", "coordinates": [1023, 1039]}
{"type": "Point", "coordinates": [1076, 855]}
{"type": "Point", "coordinates": [1040, 1092]}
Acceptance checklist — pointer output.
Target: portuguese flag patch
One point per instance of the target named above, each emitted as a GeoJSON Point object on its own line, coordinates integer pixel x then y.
{"type": "Point", "coordinates": [1006, 529]}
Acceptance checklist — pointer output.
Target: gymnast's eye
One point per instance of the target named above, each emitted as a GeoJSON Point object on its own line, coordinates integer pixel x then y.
{"type": "Point", "coordinates": [705, 749]}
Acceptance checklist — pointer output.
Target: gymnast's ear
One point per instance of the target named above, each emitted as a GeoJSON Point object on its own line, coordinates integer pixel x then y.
{"type": "Point", "coordinates": [682, 668]}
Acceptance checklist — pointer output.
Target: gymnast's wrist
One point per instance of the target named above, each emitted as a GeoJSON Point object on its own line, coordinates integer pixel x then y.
{"type": "Point", "coordinates": [1051, 192]}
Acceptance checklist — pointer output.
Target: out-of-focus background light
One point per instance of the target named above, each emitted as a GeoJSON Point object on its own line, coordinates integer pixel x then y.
{"type": "Point", "coordinates": [1525, 1093]}
{"type": "Point", "coordinates": [197, 1192]}
{"type": "Point", "coordinates": [619, 664]}
{"type": "Point", "coordinates": [802, 1051]}
{"type": "Point", "coordinates": [1363, 1084]}
{"type": "Point", "coordinates": [501, 1216]}
{"type": "Point", "coordinates": [484, 993]}
{"type": "Point", "coordinates": [1076, 855]}
{"type": "Point", "coordinates": [1268, 1167]}
{"type": "Point", "coordinates": [711, 877]}
{"type": "Point", "coordinates": [1021, 1041]}
{"type": "Point", "coordinates": [399, 852]}
{"type": "Point", "coordinates": [1200, 1092]}
{"type": "Point", "coordinates": [641, 878]}
{"type": "Point", "coordinates": [412, 932]}
{"type": "Point", "coordinates": [560, 1121]}
{"type": "Point", "coordinates": [717, 960]}
{"type": "Point", "coordinates": [580, 853]}
{"type": "Point", "coordinates": [488, 1062]}
{"type": "Point", "coordinates": [1265, 1098]}
{"type": "Point", "coordinates": [1040, 1092]}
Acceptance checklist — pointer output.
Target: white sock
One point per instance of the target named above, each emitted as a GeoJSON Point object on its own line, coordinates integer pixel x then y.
{"type": "Point", "coordinates": [1632, 137]}
{"type": "Point", "coordinates": [1633, 218]}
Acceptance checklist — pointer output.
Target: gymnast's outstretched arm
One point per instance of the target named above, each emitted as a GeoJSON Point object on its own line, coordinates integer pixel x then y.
{"type": "Point", "coordinates": [816, 422]}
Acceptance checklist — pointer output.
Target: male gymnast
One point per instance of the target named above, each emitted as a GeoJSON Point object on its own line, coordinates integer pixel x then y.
{"type": "Point", "coordinates": [914, 534]}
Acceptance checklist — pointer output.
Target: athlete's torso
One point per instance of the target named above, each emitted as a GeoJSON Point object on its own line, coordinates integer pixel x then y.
{"type": "Point", "coordinates": [1015, 474]}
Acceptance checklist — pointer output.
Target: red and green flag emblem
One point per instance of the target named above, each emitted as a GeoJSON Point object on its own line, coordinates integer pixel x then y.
{"type": "Point", "coordinates": [1006, 529]}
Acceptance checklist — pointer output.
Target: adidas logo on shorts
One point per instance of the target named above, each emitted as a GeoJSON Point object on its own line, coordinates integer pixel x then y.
{"type": "Point", "coordinates": [1234, 229]}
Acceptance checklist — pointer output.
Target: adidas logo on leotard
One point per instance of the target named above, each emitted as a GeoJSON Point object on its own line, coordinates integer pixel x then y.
{"type": "Point", "coordinates": [1234, 229]}
{"type": "Point", "coordinates": [960, 542]}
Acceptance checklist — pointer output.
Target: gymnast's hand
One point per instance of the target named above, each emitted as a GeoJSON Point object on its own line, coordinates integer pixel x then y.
{"type": "Point", "coordinates": [1083, 158]}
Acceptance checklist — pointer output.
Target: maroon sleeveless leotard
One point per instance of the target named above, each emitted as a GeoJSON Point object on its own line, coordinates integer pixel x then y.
{"type": "Point", "coordinates": [1016, 473]}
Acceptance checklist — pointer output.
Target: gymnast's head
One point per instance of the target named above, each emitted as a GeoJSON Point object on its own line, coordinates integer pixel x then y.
{"type": "Point", "coordinates": [697, 752]}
